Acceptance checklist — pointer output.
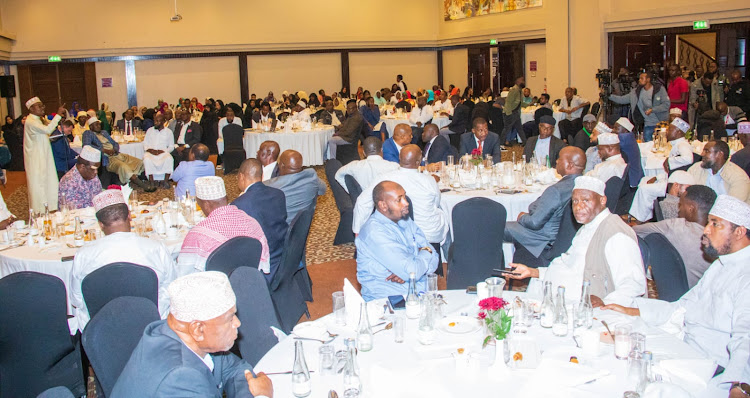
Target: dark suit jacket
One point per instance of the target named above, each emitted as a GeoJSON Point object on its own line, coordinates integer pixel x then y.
{"type": "Point", "coordinates": [582, 140]}
{"type": "Point", "coordinates": [390, 151]}
{"type": "Point", "coordinates": [632, 156]}
{"type": "Point", "coordinates": [439, 150]}
{"type": "Point", "coordinates": [121, 124]}
{"type": "Point", "coordinates": [555, 145]}
{"type": "Point", "coordinates": [742, 158]}
{"type": "Point", "coordinates": [491, 145]}
{"type": "Point", "coordinates": [268, 206]}
{"type": "Point", "coordinates": [162, 366]}
{"type": "Point", "coordinates": [460, 119]}
{"type": "Point", "coordinates": [271, 115]}
{"type": "Point", "coordinates": [326, 118]}
{"type": "Point", "coordinates": [192, 134]}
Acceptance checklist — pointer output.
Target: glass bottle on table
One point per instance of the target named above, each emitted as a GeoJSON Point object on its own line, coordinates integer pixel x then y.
{"type": "Point", "coordinates": [78, 236]}
{"type": "Point", "coordinates": [364, 331]}
{"type": "Point", "coordinates": [47, 222]}
{"type": "Point", "coordinates": [560, 325]}
{"type": "Point", "coordinates": [548, 307]}
{"type": "Point", "coordinates": [426, 331]}
{"type": "Point", "coordinates": [301, 386]}
{"type": "Point", "coordinates": [585, 311]}
{"type": "Point", "coordinates": [412, 300]}
{"type": "Point", "coordinates": [352, 382]}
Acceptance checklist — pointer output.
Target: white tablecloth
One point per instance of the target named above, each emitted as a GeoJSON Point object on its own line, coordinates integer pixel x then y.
{"type": "Point", "coordinates": [653, 163]}
{"type": "Point", "coordinates": [311, 144]}
{"type": "Point", "coordinates": [134, 149]}
{"type": "Point", "coordinates": [392, 121]}
{"type": "Point", "coordinates": [410, 369]}
{"type": "Point", "coordinates": [528, 116]}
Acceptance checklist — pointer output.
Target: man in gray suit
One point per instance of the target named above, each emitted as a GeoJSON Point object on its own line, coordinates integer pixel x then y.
{"type": "Point", "coordinates": [128, 124]}
{"type": "Point", "coordinates": [301, 187]}
{"type": "Point", "coordinates": [545, 144]}
{"type": "Point", "coordinates": [187, 355]}
{"type": "Point", "coordinates": [538, 228]}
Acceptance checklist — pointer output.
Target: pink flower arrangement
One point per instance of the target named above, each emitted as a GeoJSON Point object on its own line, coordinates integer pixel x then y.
{"type": "Point", "coordinates": [115, 186]}
{"type": "Point", "coordinates": [497, 319]}
{"type": "Point", "coordinates": [476, 157]}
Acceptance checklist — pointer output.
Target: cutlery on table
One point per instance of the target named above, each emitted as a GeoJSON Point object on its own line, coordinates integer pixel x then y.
{"type": "Point", "coordinates": [608, 331]}
{"type": "Point", "coordinates": [318, 340]}
{"type": "Point", "coordinates": [288, 372]}
{"type": "Point", "coordinates": [387, 327]}
{"type": "Point", "coordinates": [333, 394]}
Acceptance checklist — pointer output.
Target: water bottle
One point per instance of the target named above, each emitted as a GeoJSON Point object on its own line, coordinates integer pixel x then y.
{"type": "Point", "coordinates": [426, 331]}
{"type": "Point", "coordinates": [412, 300]}
{"type": "Point", "coordinates": [301, 386]}
{"type": "Point", "coordinates": [560, 325]}
{"type": "Point", "coordinates": [585, 311]}
{"type": "Point", "coordinates": [548, 307]}
{"type": "Point", "coordinates": [364, 331]}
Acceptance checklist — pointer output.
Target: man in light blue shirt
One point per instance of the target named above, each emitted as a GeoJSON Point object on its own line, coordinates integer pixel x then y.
{"type": "Point", "coordinates": [187, 172]}
{"type": "Point", "coordinates": [390, 246]}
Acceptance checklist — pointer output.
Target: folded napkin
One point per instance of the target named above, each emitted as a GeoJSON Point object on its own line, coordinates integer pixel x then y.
{"type": "Point", "coordinates": [126, 191]}
{"type": "Point", "coordinates": [562, 373]}
{"type": "Point", "coordinates": [278, 333]}
{"type": "Point", "coordinates": [353, 302]}
{"type": "Point", "coordinates": [691, 374]}
{"type": "Point", "coordinates": [665, 390]}
{"type": "Point", "coordinates": [548, 176]}
{"type": "Point", "coordinates": [311, 330]}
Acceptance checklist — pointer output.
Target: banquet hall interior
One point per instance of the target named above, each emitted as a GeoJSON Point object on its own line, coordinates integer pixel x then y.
{"type": "Point", "coordinates": [410, 190]}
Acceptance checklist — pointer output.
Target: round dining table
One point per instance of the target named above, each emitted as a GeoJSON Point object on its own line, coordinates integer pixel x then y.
{"type": "Point", "coordinates": [653, 161]}
{"type": "Point", "coordinates": [411, 369]}
{"type": "Point", "coordinates": [312, 144]}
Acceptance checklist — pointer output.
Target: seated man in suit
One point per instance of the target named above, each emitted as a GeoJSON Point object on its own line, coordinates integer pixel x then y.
{"type": "Point", "coordinates": [392, 146]}
{"type": "Point", "coordinates": [65, 156]}
{"type": "Point", "coordinates": [264, 116]}
{"type": "Point", "coordinates": [582, 138]}
{"type": "Point", "coordinates": [604, 250]}
{"type": "Point", "coordinates": [330, 116]}
{"type": "Point", "coordinates": [742, 157]}
{"type": "Point", "coordinates": [301, 187]}
{"type": "Point", "coordinates": [732, 115]}
{"type": "Point", "coordinates": [366, 170]}
{"type": "Point", "coordinates": [537, 229]}
{"type": "Point", "coordinates": [268, 154]}
{"type": "Point", "coordinates": [459, 120]}
{"type": "Point", "coordinates": [390, 246]}
{"type": "Point", "coordinates": [197, 165]}
{"type": "Point", "coordinates": [436, 147]}
{"type": "Point", "coordinates": [187, 354]}
{"type": "Point", "coordinates": [612, 164]}
{"type": "Point", "coordinates": [545, 144]}
{"type": "Point", "coordinates": [128, 125]}
{"type": "Point", "coordinates": [349, 132]}
{"type": "Point", "coordinates": [265, 204]}
{"type": "Point", "coordinates": [480, 137]}
{"type": "Point", "coordinates": [186, 134]}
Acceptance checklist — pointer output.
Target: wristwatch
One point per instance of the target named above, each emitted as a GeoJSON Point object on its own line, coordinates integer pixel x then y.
{"type": "Point", "coordinates": [744, 388]}
{"type": "Point", "coordinates": [429, 249]}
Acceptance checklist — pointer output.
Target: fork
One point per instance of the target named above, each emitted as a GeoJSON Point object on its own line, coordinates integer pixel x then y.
{"type": "Point", "coordinates": [318, 340]}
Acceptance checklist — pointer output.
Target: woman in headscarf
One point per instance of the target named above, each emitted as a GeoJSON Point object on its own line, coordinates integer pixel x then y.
{"type": "Point", "coordinates": [209, 125]}
{"type": "Point", "coordinates": [430, 97]}
{"type": "Point", "coordinates": [455, 91]}
{"type": "Point", "coordinates": [220, 109]}
{"type": "Point", "coordinates": [247, 117]}
{"type": "Point", "coordinates": [344, 93]}
{"type": "Point", "coordinates": [75, 108]}
{"type": "Point", "coordinates": [313, 100]}
{"type": "Point", "coordinates": [194, 104]}
{"type": "Point", "coordinates": [105, 117]}
{"type": "Point", "coordinates": [162, 107]}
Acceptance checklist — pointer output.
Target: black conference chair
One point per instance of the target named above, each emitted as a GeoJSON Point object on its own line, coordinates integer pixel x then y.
{"type": "Point", "coordinates": [347, 153]}
{"type": "Point", "coordinates": [287, 289]}
{"type": "Point", "coordinates": [36, 349]}
{"type": "Point", "coordinates": [234, 152]}
{"type": "Point", "coordinates": [111, 336]}
{"type": "Point", "coordinates": [354, 188]}
{"type": "Point", "coordinates": [56, 392]}
{"type": "Point", "coordinates": [117, 280]}
{"type": "Point", "coordinates": [344, 204]}
{"type": "Point", "coordinates": [658, 212]}
{"type": "Point", "coordinates": [255, 312]}
{"type": "Point", "coordinates": [565, 234]}
{"type": "Point", "coordinates": [236, 252]}
{"type": "Point", "coordinates": [612, 191]}
{"type": "Point", "coordinates": [667, 268]}
{"type": "Point", "coordinates": [696, 158]}
{"type": "Point", "coordinates": [478, 230]}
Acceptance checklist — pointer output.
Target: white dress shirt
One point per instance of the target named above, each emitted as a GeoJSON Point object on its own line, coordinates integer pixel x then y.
{"type": "Point", "coordinates": [128, 127]}
{"type": "Point", "coordinates": [716, 182]}
{"type": "Point", "coordinates": [623, 257]}
{"type": "Point", "coordinates": [422, 115]}
{"type": "Point", "coordinates": [446, 107]}
{"type": "Point", "coordinates": [713, 316]}
{"type": "Point", "coordinates": [642, 207]}
{"type": "Point", "coordinates": [574, 102]}
{"type": "Point", "coordinates": [4, 212]}
{"type": "Point", "coordinates": [223, 123]}
{"type": "Point", "coordinates": [301, 116]}
{"type": "Point", "coordinates": [542, 149]}
{"type": "Point", "coordinates": [365, 171]}
{"type": "Point", "coordinates": [116, 247]}
{"type": "Point", "coordinates": [681, 153]}
{"type": "Point", "coordinates": [160, 140]}
{"type": "Point", "coordinates": [614, 166]}
{"type": "Point", "coordinates": [268, 170]}
{"type": "Point", "coordinates": [181, 137]}
{"type": "Point", "coordinates": [425, 197]}
{"type": "Point", "coordinates": [427, 149]}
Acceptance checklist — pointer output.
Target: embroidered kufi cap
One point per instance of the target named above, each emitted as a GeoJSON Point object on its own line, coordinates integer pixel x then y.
{"type": "Point", "coordinates": [210, 188]}
{"type": "Point", "coordinates": [608, 139]}
{"type": "Point", "coordinates": [32, 101]}
{"type": "Point", "coordinates": [681, 124]}
{"type": "Point", "coordinates": [732, 209]}
{"type": "Point", "coordinates": [624, 122]}
{"type": "Point", "coordinates": [91, 154]}
{"type": "Point", "coordinates": [590, 183]}
{"type": "Point", "coordinates": [108, 198]}
{"type": "Point", "coordinates": [200, 296]}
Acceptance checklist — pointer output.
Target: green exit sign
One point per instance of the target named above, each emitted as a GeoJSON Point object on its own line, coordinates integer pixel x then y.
{"type": "Point", "coordinates": [493, 42]}
{"type": "Point", "coordinates": [698, 25]}
{"type": "Point", "coordinates": [54, 58]}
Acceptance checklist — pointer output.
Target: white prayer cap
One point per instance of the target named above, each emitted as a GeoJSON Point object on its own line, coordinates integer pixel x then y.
{"type": "Point", "coordinates": [210, 188]}
{"type": "Point", "coordinates": [681, 177]}
{"type": "Point", "coordinates": [608, 139]}
{"type": "Point", "coordinates": [108, 198]}
{"type": "Point", "coordinates": [91, 154]}
{"type": "Point", "coordinates": [81, 113]}
{"type": "Point", "coordinates": [681, 124]}
{"type": "Point", "coordinates": [302, 103]}
{"type": "Point", "coordinates": [590, 183]}
{"type": "Point", "coordinates": [91, 121]}
{"type": "Point", "coordinates": [589, 118]}
{"type": "Point", "coordinates": [32, 101]}
{"type": "Point", "coordinates": [91, 113]}
{"type": "Point", "coordinates": [200, 296]}
{"type": "Point", "coordinates": [624, 122]}
{"type": "Point", "coordinates": [743, 128]}
{"type": "Point", "coordinates": [732, 209]}
{"type": "Point", "coordinates": [675, 111]}
{"type": "Point", "coordinates": [602, 127]}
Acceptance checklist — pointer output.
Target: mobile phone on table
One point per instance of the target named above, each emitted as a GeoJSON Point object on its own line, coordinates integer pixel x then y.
{"type": "Point", "coordinates": [471, 290]}
{"type": "Point", "coordinates": [397, 301]}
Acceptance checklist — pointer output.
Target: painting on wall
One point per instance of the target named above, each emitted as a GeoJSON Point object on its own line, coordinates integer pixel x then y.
{"type": "Point", "coordinates": [460, 9]}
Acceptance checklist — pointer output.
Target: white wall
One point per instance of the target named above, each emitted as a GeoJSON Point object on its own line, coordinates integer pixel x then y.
{"type": "Point", "coordinates": [456, 68]}
{"type": "Point", "coordinates": [305, 72]}
{"type": "Point", "coordinates": [170, 79]}
{"type": "Point", "coordinates": [117, 95]}
{"type": "Point", "coordinates": [374, 71]}
{"type": "Point", "coordinates": [536, 52]}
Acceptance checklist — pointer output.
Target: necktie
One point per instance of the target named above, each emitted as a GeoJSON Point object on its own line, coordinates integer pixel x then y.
{"type": "Point", "coordinates": [480, 146]}
{"type": "Point", "coordinates": [426, 148]}
{"type": "Point", "coordinates": [127, 132]}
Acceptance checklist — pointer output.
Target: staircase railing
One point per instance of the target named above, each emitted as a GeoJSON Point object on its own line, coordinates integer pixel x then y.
{"type": "Point", "coordinates": [692, 56]}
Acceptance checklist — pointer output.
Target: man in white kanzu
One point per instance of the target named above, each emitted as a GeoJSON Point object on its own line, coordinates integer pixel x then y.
{"type": "Point", "coordinates": [41, 174]}
{"type": "Point", "coordinates": [158, 146]}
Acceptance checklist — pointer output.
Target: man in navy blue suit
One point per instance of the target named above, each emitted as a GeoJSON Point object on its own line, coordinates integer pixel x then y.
{"type": "Point", "coordinates": [265, 204]}
{"type": "Point", "coordinates": [481, 137]}
{"type": "Point", "coordinates": [392, 146]}
{"type": "Point", "coordinates": [436, 147]}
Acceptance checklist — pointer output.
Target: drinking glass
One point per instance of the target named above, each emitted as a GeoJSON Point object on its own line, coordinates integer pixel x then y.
{"type": "Point", "coordinates": [339, 308]}
{"type": "Point", "coordinates": [450, 161]}
{"type": "Point", "coordinates": [637, 342]}
{"type": "Point", "coordinates": [326, 356]}
{"type": "Point", "coordinates": [398, 329]}
{"type": "Point", "coordinates": [432, 284]}
{"type": "Point", "coordinates": [495, 286]}
{"type": "Point", "coordinates": [705, 138]}
{"type": "Point", "coordinates": [622, 341]}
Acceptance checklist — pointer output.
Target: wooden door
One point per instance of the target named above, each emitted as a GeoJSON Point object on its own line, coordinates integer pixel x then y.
{"type": "Point", "coordinates": [635, 52]}
{"type": "Point", "coordinates": [479, 69]}
{"type": "Point", "coordinates": [510, 66]}
{"type": "Point", "coordinates": [59, 83]}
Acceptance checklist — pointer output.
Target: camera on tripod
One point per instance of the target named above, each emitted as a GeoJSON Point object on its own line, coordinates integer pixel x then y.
{"type": "Point", "coordinates": [604, 77]}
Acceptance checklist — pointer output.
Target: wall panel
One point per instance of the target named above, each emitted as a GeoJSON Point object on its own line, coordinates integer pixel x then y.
{"type": "Point", "coordinates": [455, 68]}
{"type": "Point", "coordinates": [305, 72]}
{"type": "Point", "coordinates": [373, 71]}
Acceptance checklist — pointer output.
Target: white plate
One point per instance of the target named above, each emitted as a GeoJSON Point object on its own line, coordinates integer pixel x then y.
{"type": "Point", "coordinates": [311, 330]}
{"type": "Point", "coordinates": [459, 324]}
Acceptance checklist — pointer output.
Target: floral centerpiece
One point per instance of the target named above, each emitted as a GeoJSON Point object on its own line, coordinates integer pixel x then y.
{"type": "Point", "coordinates": [476, 157]}
{"type": "Point", "coordinates": [497, 319]}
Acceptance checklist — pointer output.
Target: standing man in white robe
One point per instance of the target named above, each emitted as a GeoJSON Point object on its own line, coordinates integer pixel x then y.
{"type": "Point", "coordinates": [157, 159]}
{"type": "Point", "coordinates": [41, 174]}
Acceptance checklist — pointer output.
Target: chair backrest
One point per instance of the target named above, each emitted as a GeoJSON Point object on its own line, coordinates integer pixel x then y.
{"type": "Point", "coordinates": [478, 230]}
{"type": "Point", "coordinates": [542, 112]}
{"type": "Point", "coordinates": [411, 208]}
{"type": "Point", "coordinates": [658, 212]}
{"type": "Point", "coordinates": [233, 134]}
{"type": "Point", "coordinates": [595, 109]}
{"type": "Point", "coordinates": [56, 392]}
{"type": "Point", "coordinates": [342, 199]}
{"type": "Point", "coordinates": [667, 268]}
{"type": "Point", "coordinates": [36, 351]}
{"type": "Point", "coordinates": [116, 280]}
{"type": "Point", "coordinates": [236, 252]}
{"type": "Point", "coordinates": [255, 312]}
{"type": "Point", "coordinates": [111, 336]}
{"type": "Point", "coordinates": [696, 158]}
{"type": "Point", "coordinates": [568, 228]}
{"type": "Point", "coordinates": [612, 191]}
{"type": "Point", "coordinates": [645, 250]}
{"type": "Point", "coordinates": [353, 187]}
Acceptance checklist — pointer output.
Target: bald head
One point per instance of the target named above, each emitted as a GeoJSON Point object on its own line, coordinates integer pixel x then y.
{"type": "Point", "coordinates": [268, 152]}
{"type": "Point", "coordinates": [722, 108]}
{"type": "Point", "coordinates": [372, 146]}
{"type": "Point", "coordinates": [199, 152]}
{"type": "Point", "coordinates": [252, 169]}
{"type": "Point", "coordinates": [402, 134]}
{"type": "Point", "coordinates": [430, 131]}
{"type": "Point", "coordinates": [290, 162]}
{"type": "Point", "coordinates": [571, 160]}
{"type": "Point", "coordinates": [410, 157]}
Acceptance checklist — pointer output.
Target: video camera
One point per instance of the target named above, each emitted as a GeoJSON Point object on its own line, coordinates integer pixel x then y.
{"type": "Point", "coordinates": [604, 77]}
